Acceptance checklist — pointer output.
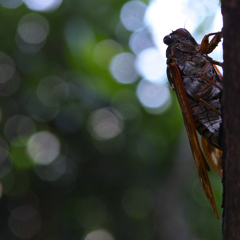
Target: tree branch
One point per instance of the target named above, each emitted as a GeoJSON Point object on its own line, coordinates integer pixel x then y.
{"type": "Point", "coordinates": [231, 119]}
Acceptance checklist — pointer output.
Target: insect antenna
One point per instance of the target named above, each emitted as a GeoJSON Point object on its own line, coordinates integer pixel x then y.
{"type": "Point", "coordinates": [185, 24]}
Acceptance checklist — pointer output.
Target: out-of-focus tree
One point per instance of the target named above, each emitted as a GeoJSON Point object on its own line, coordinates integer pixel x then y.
{"type": "Point", "coordinates": [89, 150]}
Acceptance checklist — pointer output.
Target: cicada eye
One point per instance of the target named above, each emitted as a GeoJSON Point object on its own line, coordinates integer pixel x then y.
{"type": "Point", "coordinates": [168, 39]}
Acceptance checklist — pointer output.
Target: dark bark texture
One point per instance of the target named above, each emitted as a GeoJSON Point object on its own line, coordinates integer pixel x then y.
{"type": "Point", "coordinates": [231, 119]}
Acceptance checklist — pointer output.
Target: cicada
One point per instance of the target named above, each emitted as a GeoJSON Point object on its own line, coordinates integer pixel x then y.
{"type": "Point", "coordinates": [195, 78]}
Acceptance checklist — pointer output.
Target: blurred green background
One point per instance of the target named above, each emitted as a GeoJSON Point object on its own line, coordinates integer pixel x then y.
{"type": "Point", "coordinates": [88, 149]}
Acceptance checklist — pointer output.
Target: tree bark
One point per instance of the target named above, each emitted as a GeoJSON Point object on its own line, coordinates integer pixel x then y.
{"type": "Point", "coordinates": [231, 119]}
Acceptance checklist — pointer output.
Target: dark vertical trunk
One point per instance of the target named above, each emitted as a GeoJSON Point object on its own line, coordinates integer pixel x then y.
{"type": "Point", "coordinates": [231, 119]}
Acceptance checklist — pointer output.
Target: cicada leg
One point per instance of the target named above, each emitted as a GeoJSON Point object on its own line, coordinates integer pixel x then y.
{"type": "Point", "coordinates": [218, 72]}
{"type": "Point", "coordinates": [209, 84]}
{"type": "Point", "coordinates": [213, 155]}
{"type": "Point", "coordinates": [207, 47]}
{"type": "Point", "coordinates": [209, 106]}
{"type": "Point", "coordinates": [215, 62]}
{"type": "Point", "coordinates": [203, 77]}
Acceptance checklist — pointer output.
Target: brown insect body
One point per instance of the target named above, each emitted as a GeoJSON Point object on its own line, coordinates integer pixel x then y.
{"type": "Point", "coordinates": [191, 64]}
{"type": "Point", "coordinates": [198, 85]}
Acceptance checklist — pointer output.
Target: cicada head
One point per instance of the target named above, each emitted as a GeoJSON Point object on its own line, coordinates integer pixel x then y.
{"type": "Point", "coordinates": [180, 35]}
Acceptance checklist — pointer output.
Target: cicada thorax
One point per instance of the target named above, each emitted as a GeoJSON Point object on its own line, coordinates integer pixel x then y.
{"type": "Point", "coordinates": [192, 65]}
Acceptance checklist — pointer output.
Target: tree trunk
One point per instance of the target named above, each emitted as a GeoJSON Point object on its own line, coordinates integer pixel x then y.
{"type": "Point", "coordinates": [231, 119]}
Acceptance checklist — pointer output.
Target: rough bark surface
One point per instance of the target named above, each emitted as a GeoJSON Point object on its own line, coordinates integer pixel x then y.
{"type": "Point", "coordinates": [231, 119]}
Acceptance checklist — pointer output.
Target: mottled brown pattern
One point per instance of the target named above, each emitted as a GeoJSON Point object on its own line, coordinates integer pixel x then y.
{"type": "Point", "coordinates": [192, 64]}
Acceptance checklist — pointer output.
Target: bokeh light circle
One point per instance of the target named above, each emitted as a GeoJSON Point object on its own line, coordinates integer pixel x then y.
{"type": "Point", "coordinates": [52, 171]}
{"type": "Point", "coordinates": [132, 15]}
{"type": "Point", "coordinates": [9, 78]}
{"type": "Point", "coordinates": [43, 147]}
{"type": "Point", "coordinates": [11, 3]}
{"type": "Point", "coordinates": [33, 28]}
{"type": "Point", "coordinates": [151, 65]}
{"type": "Point", "coordinates": [99, 234]}
{"type": "Point", "coordinates": [17, 128]}
{"type": "Point", "coordinates": [105, 124]}
{"type": "Point", "coordinates": [43, 5]}
{"type": "Point", "coordinates": [152, 95]}
{"type": "Point", "coordinates": [123, 68]}
{"type": "Point", "coordinates": [140, 41]}
{"type": "Point", "coordinates": [6, 72]}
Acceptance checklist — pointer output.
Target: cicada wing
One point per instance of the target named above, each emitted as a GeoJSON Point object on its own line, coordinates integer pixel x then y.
{"type": "Point", "coordinates": [213, 155]}
{"type": "Point", "coordinates": [198, 156]}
